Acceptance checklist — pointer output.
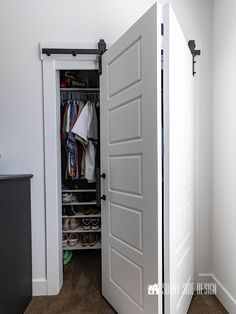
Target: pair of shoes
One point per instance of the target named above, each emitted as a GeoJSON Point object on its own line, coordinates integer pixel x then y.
{"type": "Point", "coordinates": [67, 255]}
{"type": "Point", "coordinates": [69, 198]}
{"type": "Point", "coordinates": [91, 223]}
{"type": "Point", "coordinates": [90, 210]}
{"type": "Point", "coordinates": [70, 239]}
{"type": "Point", "coordinates": [87, 197]}
{"type": "Point", "coordinates": [70, 210]}
{"type": "Point", "coordinates": [70, 224]}
{"type": "Point", "coordinates": [90, 239]}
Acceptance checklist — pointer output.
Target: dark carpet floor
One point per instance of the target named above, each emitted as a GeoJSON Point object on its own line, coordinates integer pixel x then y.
{"type": "Point", "coordinates": [206, 305]}
{"type": "Point", "coordinates": [81, 292]}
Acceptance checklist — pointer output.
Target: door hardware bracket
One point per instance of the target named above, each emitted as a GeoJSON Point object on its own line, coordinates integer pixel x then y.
{"type": "Point", "coordinates": [102, 47]}
{"type": "Point", "coordinates": [194, 52]}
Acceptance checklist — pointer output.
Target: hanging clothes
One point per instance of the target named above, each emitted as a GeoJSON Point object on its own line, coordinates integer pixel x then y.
{"type": "Point", "coordinates": [86, 132]}
{"type": "Point", "coordinates": [72, 152]}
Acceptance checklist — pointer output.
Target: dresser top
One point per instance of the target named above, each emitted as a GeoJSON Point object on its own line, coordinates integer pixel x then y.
{"type": "Point", "coordinates": [14, 177]}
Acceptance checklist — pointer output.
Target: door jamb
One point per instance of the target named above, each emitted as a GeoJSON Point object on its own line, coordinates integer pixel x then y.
{"type": "Point", "coordinates": [52, 158]}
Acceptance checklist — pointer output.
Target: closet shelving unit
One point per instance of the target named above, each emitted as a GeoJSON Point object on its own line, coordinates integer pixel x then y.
{"type": "Point", "coordinates": [79, 214]}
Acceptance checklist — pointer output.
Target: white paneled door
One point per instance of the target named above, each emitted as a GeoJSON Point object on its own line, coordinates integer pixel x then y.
{"type": "Point", "coordinates": [130, 136]}
{"type": "Point", "coordinates": [178, 161]}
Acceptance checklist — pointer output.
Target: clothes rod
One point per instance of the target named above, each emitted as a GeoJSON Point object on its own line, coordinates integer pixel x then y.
{"type": "Point", "coordinates": [79, 89]}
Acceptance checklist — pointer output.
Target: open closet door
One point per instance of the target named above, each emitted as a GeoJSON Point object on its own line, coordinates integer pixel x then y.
{"type": "Point", "coordinates": [130, 125]}
{"type": "Point", "coordinates": [178, 163]}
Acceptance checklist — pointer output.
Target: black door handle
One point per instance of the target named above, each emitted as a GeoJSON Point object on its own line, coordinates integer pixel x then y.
{"type": "Point", "coordinates": [98, 187]}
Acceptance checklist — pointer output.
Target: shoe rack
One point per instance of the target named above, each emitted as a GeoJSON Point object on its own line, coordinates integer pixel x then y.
{"type": "Point", "coordinates": [80, 215]}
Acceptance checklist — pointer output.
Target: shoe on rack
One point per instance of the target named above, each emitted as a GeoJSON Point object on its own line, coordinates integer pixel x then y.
{"type": "Point", "coordinates": [64, 211]}
{"type": "Point", "coordinates": [75, 209]}
{"type": "Point", "coordinates": [89, 197]}
{"type": "Point", "coordinates": [64, 240]}
{"type": "Point", "coordinates": [84, 239]}
{"type": "Point", "coordinates": [64, 187]}
{"type": "Point", "coordinates": [80, 197]}
{"type": "Point", "coordinates": [69, 198]}
{"type": "Point", "coordinates": [86, 223]}
{"type": "Point", "coordinates": [74, 223]}
{"type": "Point", "coordinates": [86, 210]}
{"type": "Point", "coordinates": [65, 197]}
{"type": "Point", "coordinates": [72, 210]}
{"type": "Point", "coordinates": [73, 239]}
{"type": "Point", "coordinates": [65, 224]}
{"type": "Point", "coordinates": [92, 238]}
{"type": "Point", "coordinates": [95, 210]}
{"type": "Point", "coordinates": [95, 223]}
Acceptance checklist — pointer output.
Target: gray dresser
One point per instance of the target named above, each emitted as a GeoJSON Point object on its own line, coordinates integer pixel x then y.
{"type": "Point", "coordinates": [15, 244]}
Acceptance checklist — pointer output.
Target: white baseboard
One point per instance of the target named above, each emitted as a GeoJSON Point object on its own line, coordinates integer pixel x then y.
{"type": "Point", "coordinates": [39, 287]}
{"type": "Point", "coordinates": [204, 278]}
{"type": "Point", "coordinates": [221, 292]}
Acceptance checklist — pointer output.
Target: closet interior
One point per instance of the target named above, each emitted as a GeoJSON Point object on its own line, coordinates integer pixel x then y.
{"type": "Point", "coordinates": [80, 162]}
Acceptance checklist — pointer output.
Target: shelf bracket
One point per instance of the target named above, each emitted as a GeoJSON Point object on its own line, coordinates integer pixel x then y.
{"type": "Point", "coordinates": [194, 52]}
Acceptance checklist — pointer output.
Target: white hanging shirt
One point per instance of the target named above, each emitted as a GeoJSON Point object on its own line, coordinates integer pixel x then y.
{"type": "Point", "coordinates": [86, 125]}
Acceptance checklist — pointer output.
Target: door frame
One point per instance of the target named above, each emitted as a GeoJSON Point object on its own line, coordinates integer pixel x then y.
{"type": "Point", "coordinates": [52, 153]}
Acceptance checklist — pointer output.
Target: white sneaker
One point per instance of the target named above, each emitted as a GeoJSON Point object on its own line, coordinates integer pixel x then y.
{"type": "Point", "coordinates": [86, 223]}
{"type": "Point", "coordinates": [64, 240]}
{"type": "Point", "coordinates": [74, 223]}
{"type": "Point", "coordinates": [73, 239]}
{"type": "Point", "coordinates": [65, 224]}
{"type": "Point", "coordinates": [69, 198]}
{"type": "Point", "coordinates": [95, 223]}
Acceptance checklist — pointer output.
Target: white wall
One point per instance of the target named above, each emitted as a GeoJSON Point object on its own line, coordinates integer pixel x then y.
{"type": "Point", "coordinates": [23, 25]}
{"type": "Point", "coordinates": [224, 150]}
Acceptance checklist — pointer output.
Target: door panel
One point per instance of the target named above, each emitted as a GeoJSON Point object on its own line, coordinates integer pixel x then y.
{"type": "Point", "coordinates": [130, 138]}
{"type": "Point", "coordinates": [129, 58]}
{"type": "Point", "coordinates": [123, 268]}
{"type": "Point", "coordinates": [178, 163]}
{"type": "Point", "coordinates": [131, 220]}
{"type": "Point", "coordinates": [126, 174]}
{"type": "Point", "coordinates": [129, 116]}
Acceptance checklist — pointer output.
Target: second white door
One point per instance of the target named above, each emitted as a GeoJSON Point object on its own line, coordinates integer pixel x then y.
{"type": "Point", "coordinates": [178, 166]}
